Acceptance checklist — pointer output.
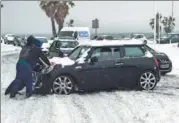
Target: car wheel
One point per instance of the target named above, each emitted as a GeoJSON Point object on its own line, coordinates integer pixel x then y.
{"type": "Point", "coordinates": [145, 42]}
{"type": "Point", "coordinates": [63, 84]}
{"type": "Point", "coordinates": [147, 81]}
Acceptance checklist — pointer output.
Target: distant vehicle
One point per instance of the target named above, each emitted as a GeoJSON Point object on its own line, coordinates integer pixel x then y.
{"type": "Point", "coordinates": [104, 38]}
{"type": "Point", "coordinates": [79, 33]}
{"type": "Point", "coordinates": [111, 64]}
{"type": "Point", "coordinates": [165, 64]}
{"type": "Point", "coordinates": [140, 37]}
{"type": "Point", "coordinates": [2, 40]}
{"type": "Point", "coordinates": [62, 47]}
{"type": "Point", "coordinates": [9, 39]}
{"type": "Point", "coordinates": [170, 38]}
{"type": "Point", "coordinates": [17, 41]}
{"type": "Point", "coordinates": [45, 45]}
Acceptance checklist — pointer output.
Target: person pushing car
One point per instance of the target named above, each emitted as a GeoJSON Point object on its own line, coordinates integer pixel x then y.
{"type": "Point", "coordinates": [28, 59]}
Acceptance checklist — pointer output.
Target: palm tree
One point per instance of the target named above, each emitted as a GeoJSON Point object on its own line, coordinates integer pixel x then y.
{"type": "Point", "coordinates": [62, 11]}
{"type": "Point", "coordinates": [158, 21]}
{"type": "Point", "coordinates": [49, 8]}
{"type": "Point", "coordinates": [169, 24]}
{"type": "Point", "coordinates": [57, 11]}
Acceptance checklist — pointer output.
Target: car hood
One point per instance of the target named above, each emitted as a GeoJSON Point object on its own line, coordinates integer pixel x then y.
{"type": "Point", "coordinates": [45, 45]}
{"type": "Point", "coordinates": [65, 61]}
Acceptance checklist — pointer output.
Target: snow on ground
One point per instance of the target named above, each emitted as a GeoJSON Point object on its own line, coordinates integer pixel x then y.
{"type": "Point", "coordinates": [9, 49]}
{"type": "Point", "coordinates": [158, 106]}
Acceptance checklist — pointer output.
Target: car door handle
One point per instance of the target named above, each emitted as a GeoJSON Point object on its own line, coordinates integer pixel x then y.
{"type": "Point", "coordinates": [119, 64]}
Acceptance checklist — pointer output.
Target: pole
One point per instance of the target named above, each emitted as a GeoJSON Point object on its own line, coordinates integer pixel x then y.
{"type": "Point", "coordinates": [154, 24]}
{"type": "Point", "coordinates": [96, 31]}
{"type": "Point", "coordinates": [172, 8]}
{"type": "Point", "coordinates": [172, 14]}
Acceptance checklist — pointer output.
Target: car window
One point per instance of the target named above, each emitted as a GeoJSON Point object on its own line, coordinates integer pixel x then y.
{"type": "Point", "coordinates": [78, 52]}
{"type": "Point", "coordinates": [106, 53]}
{"type": "Point", "coordinates": [74, 54]}
{"type": "Point", "coordinates": [83, 50]}
{"type": "Point", "coordinates": [109, 38]}
{"type": "Point", "coordinates": [133, 51]}
{"type": "Point", "coordinates": [175, 36]}
{"type": "Point", "coordinates": [141, 36]}
{"type": "Point", "coordinates": [44, 40]}
{"type": "Point", "coordinates": [137, 37]}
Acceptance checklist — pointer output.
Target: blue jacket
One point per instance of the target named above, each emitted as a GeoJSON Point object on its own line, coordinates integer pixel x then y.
{"type": "Point", "coordinates": [31, 53]}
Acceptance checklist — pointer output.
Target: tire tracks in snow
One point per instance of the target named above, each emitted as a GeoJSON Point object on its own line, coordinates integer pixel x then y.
{"type": "Point", "coordinates": [79, 104]}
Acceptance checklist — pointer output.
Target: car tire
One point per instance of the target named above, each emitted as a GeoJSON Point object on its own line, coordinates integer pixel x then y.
{"type": "Point", "coordinates": [63, 84]}
{"type": "Point", "coordinates": [145, 42]}
{"type": "Point", "coordinates": [147, 81]}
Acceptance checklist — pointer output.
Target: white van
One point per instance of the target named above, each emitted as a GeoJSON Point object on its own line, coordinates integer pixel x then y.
{"type": "Point", "coordinates": [79, 33]}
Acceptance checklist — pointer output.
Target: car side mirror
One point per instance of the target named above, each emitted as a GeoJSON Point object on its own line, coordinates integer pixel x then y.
{"type": "Point", "coordinates": [93, 59]}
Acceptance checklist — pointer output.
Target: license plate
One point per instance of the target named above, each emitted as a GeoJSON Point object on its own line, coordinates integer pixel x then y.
{"type": "Point", "coordinates": [164, 66]}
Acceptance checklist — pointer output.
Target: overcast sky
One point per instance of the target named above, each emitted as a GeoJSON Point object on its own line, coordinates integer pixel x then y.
{"type": "Point", "coordinates": [114, 16]}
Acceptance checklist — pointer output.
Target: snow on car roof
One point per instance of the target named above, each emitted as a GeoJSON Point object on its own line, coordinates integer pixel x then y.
{"type": "Point", "coordinates": [63, 39]}
{"type": "Point", "coordinates": [40, 37]}
{"type": "Point", "coordinates": [111, 43]}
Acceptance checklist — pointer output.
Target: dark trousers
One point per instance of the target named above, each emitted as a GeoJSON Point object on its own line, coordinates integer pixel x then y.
{"type": "Point", "coordinates": [23, 77]}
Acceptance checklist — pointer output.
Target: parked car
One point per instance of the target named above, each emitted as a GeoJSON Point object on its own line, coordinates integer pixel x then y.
{"type": "Point", "coordinates": [140, 37]}
{"type": "Point", "coordinates": [17, 41]}
{"type": "Point", "coordinates": [165, 64]}
{"type": "Point", "coordinates": [104, 37]}
{"type": "Point", "coordinates": [45, 45]}
{"type": "Point", "coordinates": [2, 40]}
{"type": "Point", "coordinates": [61, 47]}
{"type": "Point", "coordinates": [44, 41]}
{"type": "Point", "coordinates": [79, 33]}
{"type": "Point", "coordinates": [170, 38]}
{"type": "Point", "coordinates": [9, 39]}
{"type": "Point", "coordinates": [107, 65]}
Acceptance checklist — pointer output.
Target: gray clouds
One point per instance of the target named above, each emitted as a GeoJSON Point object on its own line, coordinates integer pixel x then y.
{"type": "Point", "coordinates": [114, 16]}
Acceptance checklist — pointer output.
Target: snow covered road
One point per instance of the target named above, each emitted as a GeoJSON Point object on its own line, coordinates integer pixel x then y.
{"type": "Point", "coordinates": [158, 106]}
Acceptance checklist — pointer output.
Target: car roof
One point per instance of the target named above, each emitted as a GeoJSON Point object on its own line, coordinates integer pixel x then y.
{"type": "Point", "coordinates": [64, 40]}
{"type": "Point", "coordinates": [75, 29]}
{"type": "Point", "coordinates": [40, 37]}
{"type": "Point", "coordinates": [110, 43]}
{"type": "Point", "coordinates": [173, 33]}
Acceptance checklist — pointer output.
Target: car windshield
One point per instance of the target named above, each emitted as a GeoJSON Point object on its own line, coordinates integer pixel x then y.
{"type": "Point", "coordinates": [64, 44]}
{"type": "Point", "coordinates": [168, 36]}
{"type": "Point", "coordinates": [44, 40]}
{"type": "Point", "coordinates": [66, 33]}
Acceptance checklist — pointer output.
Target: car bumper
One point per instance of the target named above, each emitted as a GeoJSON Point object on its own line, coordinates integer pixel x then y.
{"type": "Point", "coordinates": [158, 76]}
{"type": "Point", "coordinates": [166, 70]}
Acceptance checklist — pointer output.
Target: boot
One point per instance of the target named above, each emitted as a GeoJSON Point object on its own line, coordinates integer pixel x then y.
{"type": "Point", "coordinates": [28, 95]}
{"type": "Point", "coordinates": [12, 95]}
{"type": "Point", "coordinates": [7, 91]}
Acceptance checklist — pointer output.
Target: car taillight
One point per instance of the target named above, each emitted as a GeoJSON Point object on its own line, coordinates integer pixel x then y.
{"type": "Point", "coordinates": [156, 62]}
